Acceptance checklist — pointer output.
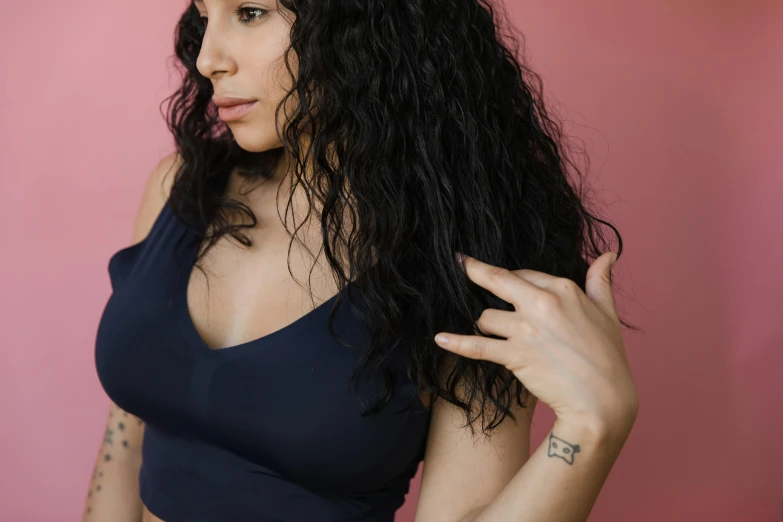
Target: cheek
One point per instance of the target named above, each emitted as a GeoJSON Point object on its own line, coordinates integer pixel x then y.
{"type": "Point", "coordinates": [277, 84]}
{"type": "Point", "coordinates": [270, 75]}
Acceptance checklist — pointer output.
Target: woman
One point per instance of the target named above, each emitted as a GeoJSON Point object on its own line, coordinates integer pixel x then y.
{"type": "Point", "coordinates": [398, 133]}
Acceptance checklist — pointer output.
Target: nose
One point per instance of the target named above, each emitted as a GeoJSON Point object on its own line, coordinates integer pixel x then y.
{"type": "Point", "coordinates": [214, 57]}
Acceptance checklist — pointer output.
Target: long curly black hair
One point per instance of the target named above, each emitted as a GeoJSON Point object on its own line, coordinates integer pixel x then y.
{"type": "Point", "coordinates": [442, 135]}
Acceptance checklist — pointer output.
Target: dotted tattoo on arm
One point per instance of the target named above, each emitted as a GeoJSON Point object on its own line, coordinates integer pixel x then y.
{"type": "Point", "coordinates": [105, 452]}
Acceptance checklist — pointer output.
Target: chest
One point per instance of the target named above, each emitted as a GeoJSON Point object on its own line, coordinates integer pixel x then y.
{"type": "Point", "coordinates": [266, 383]}
{"type": "Point", "coordinates": [247, 293]}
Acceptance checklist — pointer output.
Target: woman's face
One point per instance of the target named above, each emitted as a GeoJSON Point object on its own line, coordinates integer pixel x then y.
{"type": "Point", "coordinates": [242, 54]}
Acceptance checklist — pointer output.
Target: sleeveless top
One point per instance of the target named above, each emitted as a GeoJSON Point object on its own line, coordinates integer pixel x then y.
{"type": "Point", "coordinates": [264, 431]}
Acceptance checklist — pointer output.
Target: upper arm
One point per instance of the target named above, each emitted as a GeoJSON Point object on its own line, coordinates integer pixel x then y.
{"type": "Point", "coordinates": [156, 192]}
{"type": "Point", "coordinates": [461, 474]}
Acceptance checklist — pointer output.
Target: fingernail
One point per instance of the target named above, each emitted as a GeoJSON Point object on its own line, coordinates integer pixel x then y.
{"type": "Point", "coordinates": [460, 259]}
{"type": "Point", "coordinates": [614, 258]}
{"type": "Point", "coordinates": [442, 339]}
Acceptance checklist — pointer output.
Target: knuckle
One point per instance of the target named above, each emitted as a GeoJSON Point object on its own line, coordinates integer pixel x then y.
{"type": "Point", "coordinates": [569, 286]}
{"type": "Point", "coordinates": [478, 348]}
{"type": "Point", "coordinates": [497, 273]}
{"type": "Point", "coordinates": [526, 329]}
{"type": "Point", "coordinates": [546, 303]}
{"type": "Point", "coordinates": [516, 362]}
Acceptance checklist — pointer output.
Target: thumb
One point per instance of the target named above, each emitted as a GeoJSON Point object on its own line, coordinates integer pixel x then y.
{"type": "Point", "coordinates": [598, 286]}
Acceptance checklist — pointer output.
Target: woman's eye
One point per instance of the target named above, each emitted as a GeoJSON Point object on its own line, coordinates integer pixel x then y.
{"type": "Point", "coordinates": [254, 12]}
{"type": "Point", "coordinates": [246, 15]}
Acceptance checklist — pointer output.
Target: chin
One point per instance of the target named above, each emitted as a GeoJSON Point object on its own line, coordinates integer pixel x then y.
{"type": "Point", "coordinates": [255, 141]}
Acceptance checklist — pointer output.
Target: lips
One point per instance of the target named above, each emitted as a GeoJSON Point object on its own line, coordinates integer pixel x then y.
{"type": "Point", "coordinates": [230, 113]}
{"type": "Point", "coordinates": [230, 101]}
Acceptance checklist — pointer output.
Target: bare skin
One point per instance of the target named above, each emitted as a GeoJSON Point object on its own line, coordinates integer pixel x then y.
{"type": "Point", "coordinates": [114, 479]}
{"type": "Point", "coordinates": [114, 487]}
{"type": "Point", "coordinates": [234, 311]}
{"type": "Point", "coordinates": [245, 61]}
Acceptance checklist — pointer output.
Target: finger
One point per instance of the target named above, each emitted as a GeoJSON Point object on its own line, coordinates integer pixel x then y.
{"type": "Point", "coordinates": [477, 347]}
{"type": "Point", "coordinates": [501, 282]}
{"type": "Point", "coordinates": [598, 286]}
{"type": "Point", "coordinates": [540, 279]}
{"type": "Point", "coordinates": [561, 286]}
{"type": "Point", "coordinates": [497, 322]}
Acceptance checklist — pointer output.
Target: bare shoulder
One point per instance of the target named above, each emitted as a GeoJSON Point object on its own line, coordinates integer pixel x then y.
{"type": "Point", "coordinates": [156, 193]}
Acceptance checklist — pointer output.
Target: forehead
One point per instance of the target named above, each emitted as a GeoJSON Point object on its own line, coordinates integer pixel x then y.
{"type": "Point", "coordinates": [202, 4]}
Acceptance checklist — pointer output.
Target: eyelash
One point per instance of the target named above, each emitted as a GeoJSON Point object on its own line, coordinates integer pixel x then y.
{"type": "Point", "coordinates": [239, 12]}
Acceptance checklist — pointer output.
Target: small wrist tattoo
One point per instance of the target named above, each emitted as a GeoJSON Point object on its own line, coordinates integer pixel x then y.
{"type": "Point", "coordinates": [560, 448]}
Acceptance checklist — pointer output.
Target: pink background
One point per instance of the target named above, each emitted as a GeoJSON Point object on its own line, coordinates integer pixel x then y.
{"type": "Point", "coordinates": [679, 105]}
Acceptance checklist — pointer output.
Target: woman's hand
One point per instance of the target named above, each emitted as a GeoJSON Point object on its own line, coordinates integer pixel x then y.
{"type": "Point", "coordinates": [563, 344]}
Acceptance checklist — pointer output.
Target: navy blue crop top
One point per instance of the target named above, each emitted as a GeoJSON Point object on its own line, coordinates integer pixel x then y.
{"type": "Point", "coordinates": [264, 431]}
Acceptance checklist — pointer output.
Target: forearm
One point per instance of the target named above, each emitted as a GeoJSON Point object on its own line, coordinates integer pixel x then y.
{"type": "Point", "coordinates": [114, 487]}
{"type": "Point", "coordinates": [114, 491]}
{"type": "Point", "coordinates": [559, 482]}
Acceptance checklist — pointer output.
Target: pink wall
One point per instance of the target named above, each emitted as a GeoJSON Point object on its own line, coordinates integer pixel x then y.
{"type": "Point", "coordinates": [679, 105]}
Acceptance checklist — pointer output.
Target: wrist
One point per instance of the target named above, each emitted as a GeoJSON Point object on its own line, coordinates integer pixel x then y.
{"type": "Point", "coordinates": [610, 422]}
{"type": "Point", "coordinates": [594, 430]}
